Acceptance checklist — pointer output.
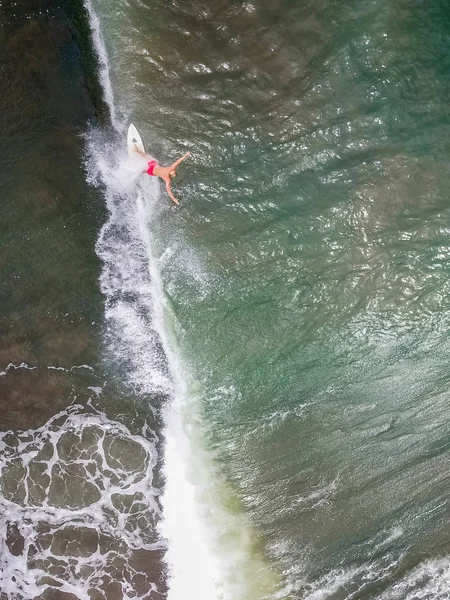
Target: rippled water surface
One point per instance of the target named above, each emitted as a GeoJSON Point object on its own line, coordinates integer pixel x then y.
{"type": "Point", "coordinates": [308, 268]}
{"type": "Point", "coordinates": [289, 321]}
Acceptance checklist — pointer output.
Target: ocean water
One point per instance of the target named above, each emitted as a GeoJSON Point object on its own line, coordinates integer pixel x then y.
{"type": "Point", "coordinates": [272, 353]}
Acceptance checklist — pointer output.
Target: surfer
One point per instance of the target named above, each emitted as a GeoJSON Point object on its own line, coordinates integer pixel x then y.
{"type": "Point", "coordinates": [166, 173]}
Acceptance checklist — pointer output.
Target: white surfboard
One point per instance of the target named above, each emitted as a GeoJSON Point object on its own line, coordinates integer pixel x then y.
{"type": "Point", "coordinates": [134, 139]}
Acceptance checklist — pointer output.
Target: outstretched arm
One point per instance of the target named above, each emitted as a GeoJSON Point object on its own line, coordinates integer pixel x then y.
{"type": "Point", "coordinates": [169, 191]}
{"type": "Point", "coordinates": [180, 160]}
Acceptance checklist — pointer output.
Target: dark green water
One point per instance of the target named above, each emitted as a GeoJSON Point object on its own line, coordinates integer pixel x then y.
{"type": "Point", "coordinates": [50, 304]}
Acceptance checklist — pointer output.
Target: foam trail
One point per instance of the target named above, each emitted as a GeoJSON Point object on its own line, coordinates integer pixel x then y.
{"type": "Point", "coordinates": [132, 339]}
{"type": "Point", "coordinates": [103, 64]}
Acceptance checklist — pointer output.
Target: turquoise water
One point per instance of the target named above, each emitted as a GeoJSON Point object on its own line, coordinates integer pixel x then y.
{"type": "Point", "coordinates": [307, 270]}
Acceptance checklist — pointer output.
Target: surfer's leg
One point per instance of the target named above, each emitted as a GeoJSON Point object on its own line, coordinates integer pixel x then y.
{"type": "Point", "coordinates": [136, 149]}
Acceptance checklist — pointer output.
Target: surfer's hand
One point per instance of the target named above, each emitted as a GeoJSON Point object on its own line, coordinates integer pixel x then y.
{"type": "Point", "coordinates": [169, 191]}
{"type": "Point", "coordinates": [177, 162]}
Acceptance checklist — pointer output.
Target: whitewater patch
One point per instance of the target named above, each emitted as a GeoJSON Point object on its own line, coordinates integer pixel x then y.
{"type": "Point", "coordinates": [78, 502]}
{"type": "Point", "coordinates": [131, 339]}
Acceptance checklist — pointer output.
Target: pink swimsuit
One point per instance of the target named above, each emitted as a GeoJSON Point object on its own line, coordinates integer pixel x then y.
{"type": "Point", "coordinates": [151, 166]}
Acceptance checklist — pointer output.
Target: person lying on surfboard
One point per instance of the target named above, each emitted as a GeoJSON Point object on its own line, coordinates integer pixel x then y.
{"type": "Point", "coordinates": [166, 173]}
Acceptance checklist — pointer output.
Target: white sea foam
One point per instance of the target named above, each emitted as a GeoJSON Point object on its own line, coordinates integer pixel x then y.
{"type": "Point", "coordinates": [13, 367]}
{"type": "Point", "coordinates": [381, 559]}
{"type": "Point", "coordinates": [132, 338]}
{"type": "Point", "coordinates": [102, 58]}
{"type": "Point", "coordinates": [347, 582]}
{"type": "Point", "coordinates": [79, 492]}
{"type": "Point", "coordinates": [428, 581]}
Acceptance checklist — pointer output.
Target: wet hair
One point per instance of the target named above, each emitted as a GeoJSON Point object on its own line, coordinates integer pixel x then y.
{"type": "Point", "coordinates": [172, 174]}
